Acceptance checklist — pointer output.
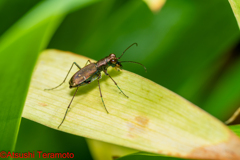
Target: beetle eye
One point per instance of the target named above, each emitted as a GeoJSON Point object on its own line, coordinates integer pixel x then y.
{"type": "Point", "coordinates": [113, 61]}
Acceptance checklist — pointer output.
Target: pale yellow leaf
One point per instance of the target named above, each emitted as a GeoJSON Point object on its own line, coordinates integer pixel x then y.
{"type": "Point", "coordinates": [152, 119]}
{"type": "Point", "coordinates": [107, 151]}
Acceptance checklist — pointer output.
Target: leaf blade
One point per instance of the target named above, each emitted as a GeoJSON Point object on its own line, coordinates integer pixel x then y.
{"type": "Point", "coordinates": [153, 119]}
{"type": "Point", "coordinates": [19, 48]}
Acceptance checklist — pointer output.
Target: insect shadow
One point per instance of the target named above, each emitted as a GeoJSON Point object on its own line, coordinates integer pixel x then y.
{"type": "Point", "coordinates": [86, 89]}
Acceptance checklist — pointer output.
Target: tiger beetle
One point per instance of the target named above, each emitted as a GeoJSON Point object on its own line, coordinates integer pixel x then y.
{"type": "Point", "coordinates": [92, 72]}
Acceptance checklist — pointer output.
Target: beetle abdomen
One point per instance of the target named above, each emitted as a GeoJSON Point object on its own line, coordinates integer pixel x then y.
{"type": "Point", "coordinates": [81, 77]}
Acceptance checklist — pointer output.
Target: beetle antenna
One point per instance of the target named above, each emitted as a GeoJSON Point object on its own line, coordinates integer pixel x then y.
{"type": "Point", "coordinates": [135, 62]}
{"type": "Point", "coordinates": [127, 49]}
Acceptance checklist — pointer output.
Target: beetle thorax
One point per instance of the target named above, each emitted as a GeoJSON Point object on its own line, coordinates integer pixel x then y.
{"type": "Point", "coordinates": [106, 62]}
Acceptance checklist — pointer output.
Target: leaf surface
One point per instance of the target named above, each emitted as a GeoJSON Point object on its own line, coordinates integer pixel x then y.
{"type": "Point", "coordinates": [152, 119]}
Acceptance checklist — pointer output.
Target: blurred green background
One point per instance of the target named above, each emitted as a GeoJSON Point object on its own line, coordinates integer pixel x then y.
{"type": "Point", "coordinates": [189, 47]}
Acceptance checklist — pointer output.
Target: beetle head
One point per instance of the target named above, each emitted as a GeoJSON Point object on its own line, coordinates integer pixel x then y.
{"type": "Point", "coordinates": [113, 61]}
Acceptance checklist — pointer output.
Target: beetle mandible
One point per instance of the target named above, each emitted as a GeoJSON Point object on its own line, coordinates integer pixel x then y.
{"type": "Point", "coordinates": [91, 72]}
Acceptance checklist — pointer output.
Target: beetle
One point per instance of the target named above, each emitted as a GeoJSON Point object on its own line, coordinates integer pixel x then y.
{"type": "Point", "coordinates": [91, 72]}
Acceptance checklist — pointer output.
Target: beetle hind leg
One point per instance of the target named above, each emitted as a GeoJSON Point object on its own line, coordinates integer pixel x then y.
{"type": "Point", "coordinates": [68, 108]}
{"type": "Point", "coordinates": [87, 62]}
{"type": "Point", "coordinates": [65, 77]}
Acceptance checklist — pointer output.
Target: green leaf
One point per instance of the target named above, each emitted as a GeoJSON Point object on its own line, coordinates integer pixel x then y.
{"type": "Point", "coordinates": [235, 4]}
{"type": "Point", "coordinates": [148, 156]}
{"type": "Point", "coordinates": [49, 140]}
{"type": "Point", "coordinates": [12, 11]}
{"type": "Point", "coordinates": [235, 129]}
{"type": "Point", "coordinates": [226, 93]}
{"type": "Point", "coordinates": [19, 48]}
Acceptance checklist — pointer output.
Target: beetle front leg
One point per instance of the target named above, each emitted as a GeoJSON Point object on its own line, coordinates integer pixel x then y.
{"type": "Point", "coordinates": [105, 71]}
{"type": "Point", "coordinates": [66, 76]}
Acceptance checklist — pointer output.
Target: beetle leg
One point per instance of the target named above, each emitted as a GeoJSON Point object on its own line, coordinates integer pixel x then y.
{"type": "Point", "coordinates": [101, 92]}
{"type": "Point", "coordinates": [87, 62]}
{"type": "Point", "coordinates": [68, 108]}
{"type": "Point", "coordinates": [66, 76]}
{"type": "Point", "coordinates": [105, 71]}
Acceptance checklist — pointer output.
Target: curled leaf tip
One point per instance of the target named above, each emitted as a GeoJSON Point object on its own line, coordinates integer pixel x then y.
{"type": "Point", "coordinates": [230, 149]}
{"type": "Point", "coordinates": [234, 116]}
